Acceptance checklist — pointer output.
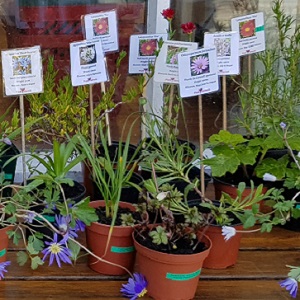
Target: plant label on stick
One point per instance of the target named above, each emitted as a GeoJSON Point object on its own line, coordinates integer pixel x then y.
{"type": "Point", "coordinates": [198, 72]}
{"type": "Point", "coordinates": [166, 65]}
{"type": "Point", "coordinates": [142, 51]}
{"type": "Point", "coordinates": [88, 64]}
{"type": "Point", "coordinates": [22, 71]}
{"type": "Point", "coordinates": [226, 44]}
{"type": "Point", "coordinates": [104, 26]}
{"type": "Point", "coordinates": [251, 33]}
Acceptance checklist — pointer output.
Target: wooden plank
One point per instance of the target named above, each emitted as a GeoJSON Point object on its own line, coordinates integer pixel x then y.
{"type": "Point", "coordinates": [110, 290]}
{"type": "Point", "coordinates": [250, 265]}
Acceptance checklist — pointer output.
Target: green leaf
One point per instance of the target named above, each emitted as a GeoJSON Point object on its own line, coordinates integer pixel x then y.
{"type": "Point", "coordinates": [35, 262]}
{"type": "Point", "coordinates": [75, 249]}
{"type": "Point", "coordinates": [22, 258]}
{"type": "Point", "coordinates": [84, 212]}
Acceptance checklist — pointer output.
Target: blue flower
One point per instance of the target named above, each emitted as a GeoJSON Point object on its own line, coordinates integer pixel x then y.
{"type": "Point", "coordinates": [63, 223]}
{"type": "Point", "coordinates": [228, 232]}
{"type": "Point", "coordinates": [3, 266]}
{"type": "Point", "coordinates": [79, 226]}
{"type": "Point", "coordinates": [135, 288]}
{"type": "Point", "coordinates": [291, 285]}
{"type": "Point", "coordinates": [57, 250]}
{"type": "Point", "coordinates": [282, 125]}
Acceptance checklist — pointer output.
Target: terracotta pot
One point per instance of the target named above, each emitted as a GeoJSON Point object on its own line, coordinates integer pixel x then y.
{"type": "Point", "coordinates": [4, 243]}
{"type": "Point", "coordinates": [120, 249]}
{"type": "Point", "coordinates": [223, 254]}
{"type": "Point", "coordinates": [170, 276]}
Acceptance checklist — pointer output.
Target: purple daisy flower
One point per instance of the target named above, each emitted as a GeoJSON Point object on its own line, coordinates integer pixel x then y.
{"type": "Point", "coordinates": [199, 65]}
{"type": "Point", "coordinates": [291, 285]}
{"type": "Point", "coordinates": [63, 223]}
{"type": "Point", "coordinates": [135, 288]}
{"type": "Point", "coordinates": [3, 266]}
{"type": "Point", "coordinates": [57, 250]}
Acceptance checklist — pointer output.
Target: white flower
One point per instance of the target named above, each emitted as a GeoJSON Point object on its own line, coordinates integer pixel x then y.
{"type": "Point", "coordinates": [162, 195]}
{"type": "Point", "coordinates": [207, 153]}
{"type": "Point", "coordinates": [228, 232]}
{"type": "Point", "coordinates": [88, 54]}
{"type": "Point", "coordinates": [269, 177]}
{"type": "Point", "coordinates": [298, 154]}
{"type": "Point", "coordinates": [7, 141]}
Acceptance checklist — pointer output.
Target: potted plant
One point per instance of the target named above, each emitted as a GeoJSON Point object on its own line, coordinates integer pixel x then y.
{"type": "Point", "coordinates": [170, 252]}
{"type": "Point", "coordinates": [110, 237]}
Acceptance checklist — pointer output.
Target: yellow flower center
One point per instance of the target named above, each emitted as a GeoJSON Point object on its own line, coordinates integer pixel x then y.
{"type": "Point", "coordinates": [247, 29]}
{"type": "Point", "coordinates": [148, 47]}
{"type": "Point", "coordinates": [100, 26]}
{"type": "Point", "coordinates": [55, 248]}
{"type": "Point", "coordinates": [142, 293]}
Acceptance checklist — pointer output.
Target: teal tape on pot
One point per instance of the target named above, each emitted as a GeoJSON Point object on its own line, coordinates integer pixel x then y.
{"type": "Point", "coordinates": [2, 252]}
{"type": "Point", "coordinates": [122, 249]}
{"type": "Point", "coordinates": [49, 218]}
{"type": "Point", "coordinates": [8, 176]}
{"type": "Point", "coordinates": [183, 277]}
{"type": "Point", "coordinates": [260, 28]}
{"type": "Point", "coordinates": [298, 206]}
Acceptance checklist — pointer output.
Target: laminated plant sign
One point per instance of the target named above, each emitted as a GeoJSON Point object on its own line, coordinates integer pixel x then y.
{"type": "Point", "coordinates": [251, 33]}
{"type": "Point", "coordinates": [88, 64]}
{"type": "Point", "coordinates": [142, 52]}
{"type": "Point", "coordinates": [22, 71]}
{"type": "Point", "coordinates": [198, 72]}
{"type": "Point", "coordinates": [226, 44]}
{"type": "Point", "coordinates": [166, 65]}
{"type": "Point", "coordinates": [104, 26]}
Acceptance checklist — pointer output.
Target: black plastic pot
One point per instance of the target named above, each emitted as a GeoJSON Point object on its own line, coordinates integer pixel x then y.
{"type": "Point", "coordinates": [9, 170]}
{"type": "Point", "coordinates": [128, 193]}
{"type": "Point", "coordinates": [180, 184]}
{"type": "Point", "coordinates": [76, 193]}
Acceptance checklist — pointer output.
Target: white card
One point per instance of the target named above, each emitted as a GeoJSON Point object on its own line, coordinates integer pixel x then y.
{"type": "Point", "coordinates": [143, 51]}
{"type": "Point", "coordinates": [103, 25]}
{"type": "Point", "coordinates": [226, 44]}
{"type": "Point", "coordinates": [87, 62]}
{"type": "Point", "coordinates": [166, 65]}
{"type": "Point", "coordinates": [251, 33]}
{"type": "Point", "coordinates": [22, 71]}
{"type": "Point", "coordinates": [198, 72]}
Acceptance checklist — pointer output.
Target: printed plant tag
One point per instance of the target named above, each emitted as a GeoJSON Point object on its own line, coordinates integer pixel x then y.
{"type": "Point", "coordinates": [166, 66]}
{"type": "Point", "coordinates": [226, 44]}
{"type": "Point", "coordinates": [251, 29]}
{"type": "Point", "coordinates": [104, 26]}
{"type": "Point", "coordinates": [22, 71]}
{"type": "Point", "coordinates": [87, 62]}
{"type": "Point", "coordinates": [142, 52]}
{"type": "Point", "coordinates": [198, 72]}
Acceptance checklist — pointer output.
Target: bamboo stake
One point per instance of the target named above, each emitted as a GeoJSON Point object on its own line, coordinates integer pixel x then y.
{"type": "Point", "coordinates": [22, 116]}
{"type": "Point", "coordinates": [249, 69]}
{"type": "Point", "coordinates": [201, 145]}
{"type": "Point", "coordinates": [106, 117]}
{"type": "Point", "coordinates": [143, 126]}
{"type": "Point", "coordinates": [92, 120]}
{"type": "Point", "coordinates": [224, 89]}
{"type": "Point", "coordinates": [170, 108]}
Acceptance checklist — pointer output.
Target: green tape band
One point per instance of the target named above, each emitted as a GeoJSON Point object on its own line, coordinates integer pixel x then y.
{"type": "Point", "coordinates": [183, 277]}
{"type": "Point", "coordinates": [2, 252]}
{"type": "Point", "coordinates": [47, 217]}
{"type": "Point", "coordinates": [260, 28]}
{"type": "Point", "coordinates": [122, 249]}
{"type": "Point", "coordinates": [8, 176]}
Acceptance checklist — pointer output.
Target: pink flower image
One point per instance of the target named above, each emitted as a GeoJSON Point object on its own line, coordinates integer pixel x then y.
{"type": "Point", "coordinates": [247, 29]}
{"type": "Point", "coordinates": [101, 26]}
{"type": "Point", "coordinates": [199, 64]}
{"type": "Point", "coordinates": [148, 47]}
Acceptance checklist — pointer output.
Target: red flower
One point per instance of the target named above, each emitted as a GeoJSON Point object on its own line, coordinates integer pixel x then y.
{"type": "Point", "coordinates": [168, 14]}
{"type": "Point", "coordinates": [188, 28]}
{"type": "Point", "coordinates": [148, 48]}
{"type": "Point", "coordinates": [101, 26]}
{"type": "Point", "coordinates": [248, 28]}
